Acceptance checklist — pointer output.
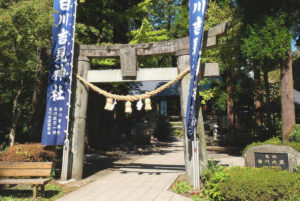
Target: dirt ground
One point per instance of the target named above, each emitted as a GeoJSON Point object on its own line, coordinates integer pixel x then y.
{"type": "Point", "coordinates": [33, 152]}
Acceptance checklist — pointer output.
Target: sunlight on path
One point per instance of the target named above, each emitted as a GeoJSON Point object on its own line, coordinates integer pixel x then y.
{"type": "Point", "coordinates": [147, 178]}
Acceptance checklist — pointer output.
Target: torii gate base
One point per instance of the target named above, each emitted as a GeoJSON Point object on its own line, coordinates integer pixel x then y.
{"type": "Point", "coordinates": [129, 72]}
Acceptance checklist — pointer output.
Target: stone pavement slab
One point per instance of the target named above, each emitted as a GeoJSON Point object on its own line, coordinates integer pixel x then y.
{"type": "Point", "coordinates": [226, 159]}
{"type": "Point", "coordinates": [146, 179]}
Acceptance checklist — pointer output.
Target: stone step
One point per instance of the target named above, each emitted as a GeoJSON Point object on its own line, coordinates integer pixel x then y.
{"type": "Point", "coordinates": [177, 127]}
{"type": "Point", "coordinates": [175, 118]}
{"type": "Point", "coordinates": [176, 123]}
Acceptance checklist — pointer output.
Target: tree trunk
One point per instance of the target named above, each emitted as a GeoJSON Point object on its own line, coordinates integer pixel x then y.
{"type": "Point", "coordinates": [258, 101]}
{"type": "Point", "coordinates": [16, 113]}
{"type": "Point", "coordinates": [287, 98]}
{"type": "Point", "coordinates": [236, 116]}
{"type": "Point", "coordinates": [39, 95]}
{"type": "Point", "coordinates": [267, 88]}
{"type": "Point", "coordinates": [230, 105]}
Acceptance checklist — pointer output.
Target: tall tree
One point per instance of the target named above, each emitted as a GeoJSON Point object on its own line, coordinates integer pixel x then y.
{"type": "Point", "coordinates": [281, 17]}
{"type": "Point", "coordinates": [24, 25]}
{"type": "Point", "coordinates": [106, 21]}
{"type": "Point", "coordinates": [227, 55]}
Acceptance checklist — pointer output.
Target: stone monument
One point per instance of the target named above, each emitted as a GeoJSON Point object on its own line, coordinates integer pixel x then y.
{"type": "Point", "coordinates": [284, 157]}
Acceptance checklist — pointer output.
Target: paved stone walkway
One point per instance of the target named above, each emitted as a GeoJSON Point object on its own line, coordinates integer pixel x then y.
{"type": "Point", "coordinates": [147, 178]}
{"type": "Point", "coordinates": [226, 159]}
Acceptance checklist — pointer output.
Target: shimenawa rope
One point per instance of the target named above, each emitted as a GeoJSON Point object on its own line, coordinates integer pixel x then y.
{"type": "Point", "coordinates": [130, 98]}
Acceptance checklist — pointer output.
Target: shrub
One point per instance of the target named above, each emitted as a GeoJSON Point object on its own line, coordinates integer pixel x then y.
{"type": "Point", "coordinates": [182, 187]}
{"type": "Point", "coordinates": [263, 184]}
{"type": "Point", "coordinates": [295, 136]}
{"type": "Point", "coordinates": [212, 178]}
{"type": "Point", "coordinates": [275, 141]}
{"type": "Point", "coordinates": [178, 133]}
{"type": "Point", "coordinates": [199, 198]}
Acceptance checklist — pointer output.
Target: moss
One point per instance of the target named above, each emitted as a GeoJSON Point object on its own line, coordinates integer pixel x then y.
{"type": "Point", "coordinates": [275, 141]}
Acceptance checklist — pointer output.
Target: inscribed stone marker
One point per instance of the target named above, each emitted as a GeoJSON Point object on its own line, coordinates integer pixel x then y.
{"type": "Point", "coordinates": [284, 157]}
{"type": "Point", "coordinates": [128, 62]}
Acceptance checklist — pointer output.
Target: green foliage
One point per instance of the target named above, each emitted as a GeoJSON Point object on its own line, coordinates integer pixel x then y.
{"type": "Point", "coordinates": [221, 101]}
{"type": "Point", "coordinates": [262, 184]}
{"type": "Point", "coordinates": [160, 13]}
{"type": "Point", "coordinates": [249, 184]}
{"type": "Point", "coordinates": [24, 26]}
{"type": "Point", "coordinates": [298, 169]}
{"type": "Point", "coordinates": [199, 198]}
{"type": "Point", "coordinates": [212, 90]}
{"type": "Point", "coordinates": [180, 26]}
{"type": "Point", "coordinates": [110, 63]}
{"type": "Point", "coordinates": [206, 94]}
{"type": "Point", "coordinates": [268, 41]}
{"type": "Point", "coordinates": [231, 86]}
{"type": "Point", "coordinates": [218, 12]}
{"type": "Point", "coordinates": [85, 33]}
{"type": "Point", "coordinates": [147, 34]}
{"type": "Point", "coordinates": [275, 141]}
{"type": "Point", "coordinates": [212, 178]}
{"type": "Point", "coordinates": [178, 133]}
{"type": "Point", "coordinates": [182, 187]}
{"type": "Point", "coordinates": [295, 136]}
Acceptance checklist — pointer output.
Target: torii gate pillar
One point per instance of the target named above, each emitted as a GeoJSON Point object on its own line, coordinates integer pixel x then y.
{"type": "Point", "coordinates": [183, 62]}
{"type": "Point", "coordinates": [80, 113]}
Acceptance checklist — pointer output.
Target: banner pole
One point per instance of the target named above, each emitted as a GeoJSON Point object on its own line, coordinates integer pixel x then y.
{"type": "Point", "coordinates": [196, 163]}
{"type": "Point", "coordinates": [66, 147]}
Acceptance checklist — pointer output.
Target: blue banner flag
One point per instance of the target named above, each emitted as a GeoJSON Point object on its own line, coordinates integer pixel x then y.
{"type": "Point", "coordinates": [56, 120]}
{"type": "Point", "coordinates": [197, 17]}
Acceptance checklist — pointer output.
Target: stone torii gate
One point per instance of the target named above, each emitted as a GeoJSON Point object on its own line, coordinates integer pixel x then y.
{"type": "Point", "coordinates": [128, 53]}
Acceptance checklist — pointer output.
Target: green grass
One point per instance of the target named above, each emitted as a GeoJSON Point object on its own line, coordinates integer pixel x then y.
{"type": "Point", "coordinates": [24, 193]}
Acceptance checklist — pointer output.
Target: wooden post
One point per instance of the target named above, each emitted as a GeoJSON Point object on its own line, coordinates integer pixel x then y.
{"type": "Point", "coordinates": [35, 192]}
{"type": "Point", "coordinates": [79, 124]}
{"type": "Point", "coordinates": [202, 142]}
{"type": "Point", "coordinates": [211, 70]}
{"type": "Point", "coordinates": [183, 62]}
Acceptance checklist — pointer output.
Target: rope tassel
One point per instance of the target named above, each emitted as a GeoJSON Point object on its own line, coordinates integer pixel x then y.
{"type": "Point", "coordinates": [109, 103]}
{"type": "Point", "coordinates": [148, 104]}
{"type": "Point", "coordinates": [113, 105]}
{"type": "Point", "coordinates": [139, 105]}
{"type": "Point", "coordinates": [128, 109]}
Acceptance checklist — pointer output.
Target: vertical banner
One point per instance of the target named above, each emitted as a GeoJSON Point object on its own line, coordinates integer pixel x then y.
{"type": "Point", "coordinates": [55, 128]}
{"type": "Point", "coordinates": [197, 17]}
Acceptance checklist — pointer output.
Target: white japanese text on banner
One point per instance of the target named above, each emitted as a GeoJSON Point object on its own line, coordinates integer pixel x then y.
{"type": "Point", "coordinates": [60, 74]}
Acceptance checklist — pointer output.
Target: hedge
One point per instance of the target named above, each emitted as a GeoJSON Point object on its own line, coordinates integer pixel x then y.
{"type": "Point", "coordinates": [263, 184]}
